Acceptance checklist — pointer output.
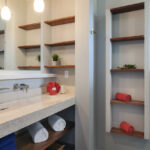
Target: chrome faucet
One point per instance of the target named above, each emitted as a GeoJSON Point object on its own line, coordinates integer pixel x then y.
{"type": "Point", "coordinates": [24, 87]}
{"type": "Point", "coordinates": [21, 87]}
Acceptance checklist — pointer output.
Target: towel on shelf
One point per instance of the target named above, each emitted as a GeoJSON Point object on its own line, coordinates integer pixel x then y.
{"type": "Point", "coordinates": [123, 97]}
{"type": "Point", "coordinates": [126, 127]}
{"type": "Point", "coordinates": [6, 140]}
{"type": "Point", "coordinates": [38, 132]}
{"type": "Point", "coordinates": [9, 146]}
{"type": "Point", "coordinates": [57, 123]}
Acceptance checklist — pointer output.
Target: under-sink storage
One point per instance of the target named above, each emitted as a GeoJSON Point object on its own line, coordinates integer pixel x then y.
{"type": "Point", "coordinates": [24, 141]}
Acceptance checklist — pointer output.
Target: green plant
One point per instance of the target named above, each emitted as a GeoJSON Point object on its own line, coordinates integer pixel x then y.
{"type": "Point", "coordinates": [39, 57]}
{"type": "Point", "coordinates": [127, 66]}
{"type": "Point", "coordinates": [55, 57]}
{"type": "Point", "coordinates": [130, 66]}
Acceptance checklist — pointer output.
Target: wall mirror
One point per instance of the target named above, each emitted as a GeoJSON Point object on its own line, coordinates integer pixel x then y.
{"type": "Point", "coordinates": [19, 36]}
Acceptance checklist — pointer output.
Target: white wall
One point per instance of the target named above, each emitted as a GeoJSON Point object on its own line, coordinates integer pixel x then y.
{"type": "Point", "coordinates": [84, 75]}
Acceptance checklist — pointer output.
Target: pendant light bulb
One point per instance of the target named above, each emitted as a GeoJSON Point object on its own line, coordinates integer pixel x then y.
{"type": "Point", "coordinates": [5, 12]}
{"type": "Point", "coordinates": [39, 5]}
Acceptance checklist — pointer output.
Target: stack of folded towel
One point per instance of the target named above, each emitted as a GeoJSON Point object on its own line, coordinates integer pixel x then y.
{"type": "Point", "coordinates": [8, 143]}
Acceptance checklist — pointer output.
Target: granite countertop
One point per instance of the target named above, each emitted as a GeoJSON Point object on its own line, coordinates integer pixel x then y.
{"type": "Point", "coordinates": [30, 110]}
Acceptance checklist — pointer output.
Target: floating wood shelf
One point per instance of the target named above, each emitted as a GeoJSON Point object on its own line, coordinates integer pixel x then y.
{"type": "Point", "coordinates": [129, 38]}
{"type": "Point", "coordinates": [61, 21]}
{"type": "Point", "coordinates": [127, 8]}
{"type": "Point", "coordinates": [127, 70]}
{"type": "Point", "coordinates": [24, 141]}
{"type": "Point", "coordinates": [29, 46]}
{"type": "Point", "coordinates": [61, 66]}
{"type": "Point", "coordinates": [136, 134]}
{"type": "Point", "coordinates": [2, 31]}
{"type": "Point", "coordinates": [31, 26]}
{"type": "Point", "coordinates": [56, 146]}
{"type": "Point", "coordinates": [29, 67]}
{"type": "Point", "coordinates": [134, 102]}
{"type": "Point", "coordinates": [65, 43]}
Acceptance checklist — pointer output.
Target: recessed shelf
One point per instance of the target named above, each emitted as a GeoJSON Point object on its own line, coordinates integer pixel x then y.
{"type": "Point", "coordinates": [137, 134]}
{"type": "Point", "coordinates": [127, 70]}
{"type": "Point", "coordinates": [61, 21]}
{"type": "Point", "coordinates": [134, 102]}
{"type": "Point", "coordinates": [24, 141]}
{"type": "Point", "coordinates": [127, 8]}
{"type": "Point", "coordinates": [129, 38]}
{"type": "Point", "coordinates": [61, 66]}
{"type": "Point", "coordinates": [29, 67]}
{"type": "Point", "coordinates": [29, 46]}
{"type": "Point", "coordinates": [31, 26]}
{"type": "Point", "coordinates": [64, 43]}
{"type": "Point", "coordinates": [2, 31]}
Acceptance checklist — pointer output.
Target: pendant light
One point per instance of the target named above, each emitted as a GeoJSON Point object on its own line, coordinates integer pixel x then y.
{"type": "Point", "coordinates": [39, 5]}
{"type": "Point", "coordinates": [5, 12]}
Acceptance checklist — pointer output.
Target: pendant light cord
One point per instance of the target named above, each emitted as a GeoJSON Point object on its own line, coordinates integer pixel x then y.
{"type": "Point", "coordinates": [6, 2]}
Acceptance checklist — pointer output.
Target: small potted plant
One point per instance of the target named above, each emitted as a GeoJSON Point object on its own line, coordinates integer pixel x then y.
{"type": "Point", "coordinates": [39, 58]}
{"type": "Point", "coordinates": [55, 61]}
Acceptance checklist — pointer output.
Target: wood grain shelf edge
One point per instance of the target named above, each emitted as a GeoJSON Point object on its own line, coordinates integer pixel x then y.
{"type": "Point", "coordinates": [60, 21]}
{"type": "Point", "coordinates": [128, 38]}
{"type": "Point", "coordinates": [31, 26]}
{"type": "Point", "coordinates": [29, 46]}
{"type": "Point", "coordinates": [137, 134]}
{"type": "Point", "coordinates": [60, 66]}
{"type": "Point", "coordinates": [64, 43]}
{"type": "Point", "coordinates": [127, 70]}
{"type": "Point", "coordinates": [29, 67]}
{"type": "Point", "coordinates": [127, 8]}
{"type": "Point", "coordinates": [134, 102]}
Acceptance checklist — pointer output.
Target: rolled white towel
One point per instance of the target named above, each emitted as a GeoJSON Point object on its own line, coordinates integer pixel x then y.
{"type": "Point", "coordinates": [38, 132]}
{"type": "Point", "coordinates": [57, 123]}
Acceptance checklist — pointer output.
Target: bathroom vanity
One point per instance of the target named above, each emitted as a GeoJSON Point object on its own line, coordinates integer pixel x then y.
{"type": "Point", "coordinates": [28, 35]}
{"type": "Point", "coordinates": [20, 113]}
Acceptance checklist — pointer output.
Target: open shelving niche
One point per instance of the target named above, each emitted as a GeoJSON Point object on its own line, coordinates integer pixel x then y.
{"type": "Point", "coordinates": [132, 81]}
{"type": "Point", "coordinates": [60, 40]}
{"type": "Point", "coordinates": [29, 48]}
{"type": "Point", "coordinates": [28, 39]}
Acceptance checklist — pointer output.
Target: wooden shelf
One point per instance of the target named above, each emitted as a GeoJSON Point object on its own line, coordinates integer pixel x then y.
{"type": "Point", "coordinates": [127, 8]}
{"type": "Point", "coordinates": [134, 102]}
{"type": "Point", "coordinates": [31, 26]}
{"type": "Point", "coordinates": [2, 31]}
{"type": "Point", "coordinates": [61, 21]}
{"type": "Point", "coordinates": [65, 43]}
{"type": "Point", "coordinates": [24, 141]}
{"type": "Point", "coordinates": [129, 38]}
{"type": "Point", "coordinates": [29, 67]}
{"type": "Point", "coordinates": [127, 70]}
{"type": "Point", "coordinates": [61, 66]}
{"type": "Point", "coordinates": [29, 46]}
{"type": "Point", "coordinates": [56, 146]}
{"type": "Point", "coordinates": [136, 134]}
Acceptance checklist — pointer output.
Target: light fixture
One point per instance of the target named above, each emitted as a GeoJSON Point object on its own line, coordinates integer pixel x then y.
{"type": "Point", "coordinates": [39, 5]}
{"type": "Point", "coordinates": [5, 12]}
